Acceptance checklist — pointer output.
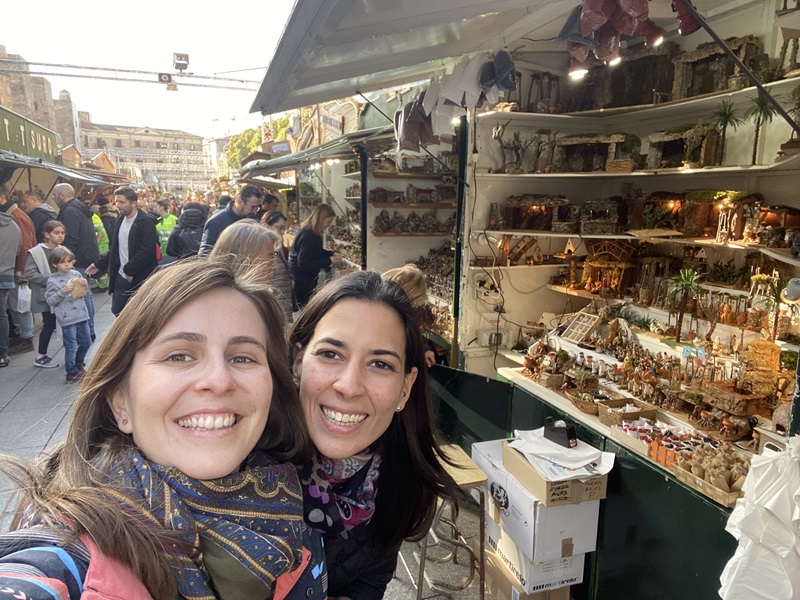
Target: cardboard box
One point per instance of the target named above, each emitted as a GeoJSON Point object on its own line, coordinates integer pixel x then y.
{"type": "Point", "coordinates": [528, 575]}
{"type": "Point", "coordinates": [500, 583]}
{"type": "Point", "coordinates": [552, 493]}
{"type": "Point", "coordinates": [541, 533]}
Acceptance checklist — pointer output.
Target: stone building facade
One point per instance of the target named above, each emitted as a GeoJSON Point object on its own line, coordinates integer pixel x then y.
{"type": "Point", "coordinates": [165, 159]}
{"type": "Point", "coordinates": [25, 94]}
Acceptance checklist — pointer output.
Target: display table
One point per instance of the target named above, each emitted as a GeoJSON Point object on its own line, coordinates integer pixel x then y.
{"type": "Point", "coordinates": [657, 537]}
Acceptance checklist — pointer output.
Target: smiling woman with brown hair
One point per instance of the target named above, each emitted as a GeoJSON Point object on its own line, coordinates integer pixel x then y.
{"type": "Point", "coordinates": [177, 476]}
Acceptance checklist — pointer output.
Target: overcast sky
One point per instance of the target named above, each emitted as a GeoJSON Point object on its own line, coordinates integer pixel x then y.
{"type": "Point", "coordinates": [143, 35]}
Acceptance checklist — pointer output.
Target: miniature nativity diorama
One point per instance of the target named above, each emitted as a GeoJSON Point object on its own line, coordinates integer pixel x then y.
{"type": "Point", "coordinates": [687, 348]}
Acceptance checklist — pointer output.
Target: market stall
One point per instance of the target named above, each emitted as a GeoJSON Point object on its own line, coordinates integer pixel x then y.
{"type": "Point", "coordinates": [623, 245]}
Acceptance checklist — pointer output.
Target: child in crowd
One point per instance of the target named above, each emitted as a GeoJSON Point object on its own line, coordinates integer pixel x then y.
{"type": "Point", "coordinates": [65, 291]}
{"type": "Point", "coordinates": [177, 477]}
{"type": "Point", "coordinates": [413, 282]}
{"type": "Point", "coordinates": [37, 270]}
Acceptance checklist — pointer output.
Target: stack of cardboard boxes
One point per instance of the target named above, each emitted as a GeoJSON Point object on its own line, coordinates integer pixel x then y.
{"type": "Point", "coordinates": [537, 532]}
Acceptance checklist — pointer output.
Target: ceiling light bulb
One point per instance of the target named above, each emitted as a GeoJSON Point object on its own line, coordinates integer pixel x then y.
{"type": "Point", "coordinates": [577, 70]}
{"type": "Point", "coordinates": [687, 24]}
{"type": "Point", "coordinates": [615, 61]}
{"type": "Point", "coordinates": [653, 34]}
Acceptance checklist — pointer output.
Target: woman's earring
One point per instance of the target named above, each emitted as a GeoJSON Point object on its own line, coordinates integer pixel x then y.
{"type": "Point", "coordinates": [124, 421]}
{"type": "Point", "coordinates": [296, 381]}
{"type": "Point", "coordinates": [399, 408]}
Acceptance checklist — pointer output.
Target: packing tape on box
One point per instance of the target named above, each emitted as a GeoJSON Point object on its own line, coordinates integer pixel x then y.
{"type": "Point", "coordinates": [567, 547]}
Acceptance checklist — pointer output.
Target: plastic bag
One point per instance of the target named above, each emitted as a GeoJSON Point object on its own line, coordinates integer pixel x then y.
{"type": "Point", "coordinates": [23, 298]}
{"type": "Point", "coordinates": [766, 521]}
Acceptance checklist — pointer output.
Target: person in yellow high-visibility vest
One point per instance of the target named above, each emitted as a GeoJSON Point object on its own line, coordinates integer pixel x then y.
{"type": "Point", "coordinates": [102, 242]}
{"type": "Point", "coordinates": [166, 223]}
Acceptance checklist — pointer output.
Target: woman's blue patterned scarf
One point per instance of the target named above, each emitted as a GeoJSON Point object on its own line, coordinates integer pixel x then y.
{"type": "Point", "coordinates": [256, 515]}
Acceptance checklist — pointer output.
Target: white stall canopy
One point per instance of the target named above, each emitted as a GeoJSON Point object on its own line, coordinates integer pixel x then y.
{"type": "Point", "coordinates": [332, 49]}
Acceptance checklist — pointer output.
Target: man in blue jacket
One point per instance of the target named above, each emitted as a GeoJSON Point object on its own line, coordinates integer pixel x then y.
{"type": "Point", "coordinates": [132, 254]}
{"type": "Point", "coordinates": [246, 204]}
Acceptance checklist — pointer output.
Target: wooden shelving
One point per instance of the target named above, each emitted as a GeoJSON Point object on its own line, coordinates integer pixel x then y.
{"type": "Point", "coordinates": [405, 175]}
{"type": "Point", "coordinates": [346, 243]}
{"type": "Point", "coordinates": [553, 234]}
{"type": "Point", "coordinates": [401, 175]}
{"type": "Point", "coordinates": [416, 206]}
{"type": "Point", "coordinates": [781, 254]}
{"type": "Point", "coordinates": [512, 267]}
{"type": "Point", "coordinates": [410, 234]}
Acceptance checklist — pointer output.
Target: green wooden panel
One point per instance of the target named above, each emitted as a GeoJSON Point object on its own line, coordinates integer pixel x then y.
{"type": "Point", "coordinates": [470, 408]}
{"type": "Point", "coordinates": [658, 538]}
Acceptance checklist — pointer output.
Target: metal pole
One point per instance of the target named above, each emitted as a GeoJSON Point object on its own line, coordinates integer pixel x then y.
{"type": "Point", "coordinates": [363, 163]}
{"type": "Point", "coordinates": [463, 139]}
{"type": "Point", "coordinates": [794, 419]}
{"type": "Point", "coordinates": [778, 108]}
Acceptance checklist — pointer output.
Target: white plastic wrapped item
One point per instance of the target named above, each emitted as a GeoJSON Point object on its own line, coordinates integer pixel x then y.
{"type": "Point", "coordinates": [451, 85]}
{"type": "Point", "coordinates": [766, 521]}
{"type": "Point", "coordinates": [23, 298]}
{"type": "Point", "coordinates": [469, 82]}
{"type": "Point", "coordinates": [432, 95]}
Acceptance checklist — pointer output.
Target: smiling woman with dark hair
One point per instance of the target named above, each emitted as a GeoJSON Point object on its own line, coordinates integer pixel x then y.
{"type": "Point", "coordinates": [356, 353]}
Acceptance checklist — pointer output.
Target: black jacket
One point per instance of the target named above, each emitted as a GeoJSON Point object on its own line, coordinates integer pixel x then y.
{"type": "Point", "coordinates": [39, 216]}
{"type": "Point", "coordinates": [359, 567]}
{"type": "Point", "coordinates": [77, 220]}
{"type": "Point", "coordinates": [216, 225]}
{"type": "Point", "coordinates": [142, 242]}
{"type": "Point", "coordinates": [306, 258]}
{"type": "Point", "coordinates": [184, 239]}
{"type": "Point", "coordinates": [108, 216]}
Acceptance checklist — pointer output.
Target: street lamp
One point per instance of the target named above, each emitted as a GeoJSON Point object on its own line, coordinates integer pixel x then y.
{"type": "Point", "coordinates": [180, 61]}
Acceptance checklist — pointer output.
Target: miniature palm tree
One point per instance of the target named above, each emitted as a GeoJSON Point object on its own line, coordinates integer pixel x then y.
{"type": "Point", "coordinates": [684, 282]}
{"type": "Point", "coordinates": [724, 116]}
{"type": "Point", "coordinates": [761, 112]}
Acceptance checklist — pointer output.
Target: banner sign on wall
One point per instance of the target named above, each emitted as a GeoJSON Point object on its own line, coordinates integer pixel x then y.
{"type": "Point", "coordinates": [23, 136]}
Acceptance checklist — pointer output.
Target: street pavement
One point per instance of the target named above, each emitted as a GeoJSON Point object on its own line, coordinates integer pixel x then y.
{"type": "Point", "coordinates": [35, 403]}
{"type": "Point", "coordinates": [35, 407]}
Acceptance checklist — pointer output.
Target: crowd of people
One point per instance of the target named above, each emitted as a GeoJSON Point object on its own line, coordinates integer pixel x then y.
{"type": "Point", "coordinates": [265, 452]}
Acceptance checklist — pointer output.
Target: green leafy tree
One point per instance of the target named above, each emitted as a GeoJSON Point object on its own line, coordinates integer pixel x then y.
{"type": "Point", "coordinates": [723, 117]}
{"type": "Point", "coordinates": [280, 126]}
{"type": "Point", "coordinates": [761, 112]}
{"type": "Point", "coordinates": [243, 145]}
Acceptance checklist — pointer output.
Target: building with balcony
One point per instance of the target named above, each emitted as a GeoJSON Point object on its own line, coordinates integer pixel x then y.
{"type": "Point", "coordinates": [164, 159]}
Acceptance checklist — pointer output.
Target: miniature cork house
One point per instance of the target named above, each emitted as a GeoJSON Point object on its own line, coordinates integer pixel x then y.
{"type": "Point", "coordinates": [657, 211]}
{"type": "Point", "coordinates": [695, 144]}
{"type": "Point", "coordinates": [609, 268]}
{"type": "Point", "coordinates": [587, 153]}
{"type": "Point", "coordinates": [531, 212]}
{"type": "Point", "coordinates": [566, 218]}
{"type": "Point", "coordinates": [603, 216]}
{"type": "Point", "coordinates": [704, 70]}
{"type": "Point", "coordinates": [755, 385]}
